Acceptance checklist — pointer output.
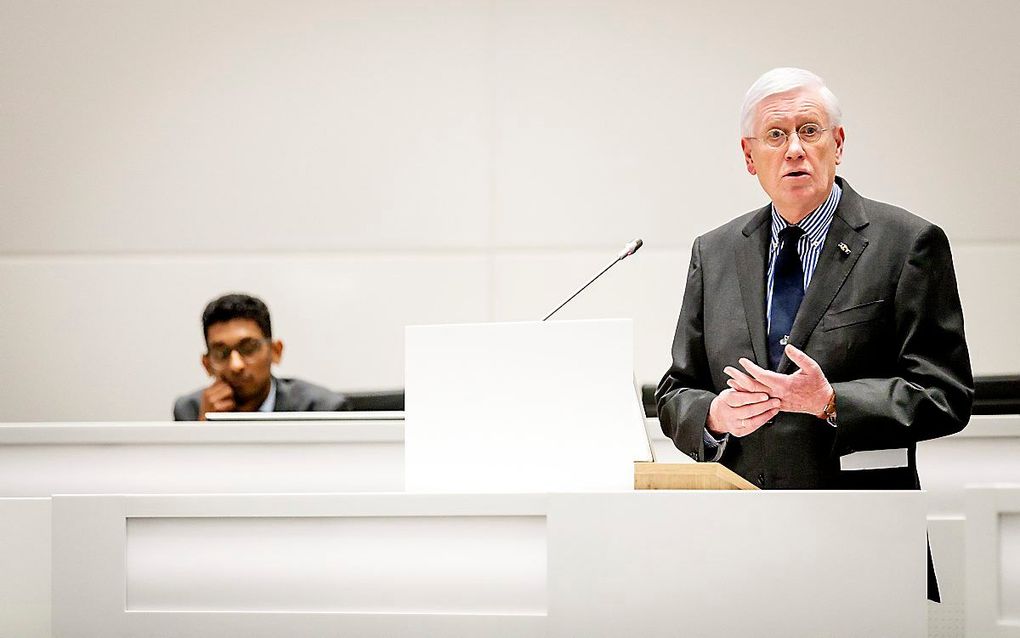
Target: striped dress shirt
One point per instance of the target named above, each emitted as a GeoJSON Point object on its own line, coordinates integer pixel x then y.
{"type": "Point", "coordinates": [809, 247]}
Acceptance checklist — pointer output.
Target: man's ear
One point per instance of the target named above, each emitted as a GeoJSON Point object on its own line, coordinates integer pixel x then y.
{"type": "Point", "coordinates": [839, 135]}
{"type": "Point", "coordinates": [745, 146]}
{"type": "Point", "coordinates": [276, 350]}
{"type": "Point", "coordinates": [207, 365]}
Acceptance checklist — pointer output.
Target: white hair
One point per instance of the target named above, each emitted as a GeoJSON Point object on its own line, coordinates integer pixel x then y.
{"type": "Point", "coordinates": [783, 80]}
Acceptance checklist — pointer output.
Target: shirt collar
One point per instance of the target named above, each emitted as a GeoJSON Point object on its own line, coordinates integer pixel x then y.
{"type": "Point", "coordinates": [270, 403]}
{"type": "Point", "coordinates": [816, 224]}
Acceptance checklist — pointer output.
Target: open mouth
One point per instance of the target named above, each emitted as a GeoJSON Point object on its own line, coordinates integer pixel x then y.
{"type": "Point", "coordinates": [796, 174]}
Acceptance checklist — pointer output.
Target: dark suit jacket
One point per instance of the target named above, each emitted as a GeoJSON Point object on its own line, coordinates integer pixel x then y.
{"type": "Point", "coordinates": [883, 322]}
{"type": "Point", "coordinates": [292, 395]}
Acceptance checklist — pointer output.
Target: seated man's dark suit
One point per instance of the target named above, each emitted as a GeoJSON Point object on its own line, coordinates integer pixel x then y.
{"type": "Point", "coordinates": [882, 319]}
{"type": "Point", "coordinates": [292, 395]}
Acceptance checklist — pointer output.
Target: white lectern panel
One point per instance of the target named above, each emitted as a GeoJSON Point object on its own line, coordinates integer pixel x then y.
{"type": "Point", "coordinates": [102, 576]}
{"type": "Point", "coordinates": [355, 564]}
{"type": "Point", "coordinates": [799, 564]}
{"type": "Point", "coordinates": [511, 407]}
{"type": "Point", "coordinates": [780, 563]}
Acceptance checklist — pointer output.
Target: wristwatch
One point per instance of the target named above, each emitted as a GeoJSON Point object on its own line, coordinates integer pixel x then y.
{"type": "Point", "coordinates": [829, 411]}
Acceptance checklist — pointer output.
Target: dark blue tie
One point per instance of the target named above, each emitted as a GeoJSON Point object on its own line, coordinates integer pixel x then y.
{"type": "Point", "coordinates": [787, 293]}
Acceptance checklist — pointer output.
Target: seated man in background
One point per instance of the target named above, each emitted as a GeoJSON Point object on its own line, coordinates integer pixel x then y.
{"type": "Point", "coordinates": [240, 352]}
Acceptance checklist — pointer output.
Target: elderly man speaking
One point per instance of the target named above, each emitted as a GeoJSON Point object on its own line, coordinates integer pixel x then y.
{"type": "Point", "coordinates": [822, 324]}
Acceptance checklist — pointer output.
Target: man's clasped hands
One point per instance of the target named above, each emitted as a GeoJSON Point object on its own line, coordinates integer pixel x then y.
{"type": "Point", "coordinates": [756, 395]}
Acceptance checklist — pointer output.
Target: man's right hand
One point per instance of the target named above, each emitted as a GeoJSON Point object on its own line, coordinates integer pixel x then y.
{"type": "Point", "coordinates": [740, 413]}
{"type": "Point", "coordinates": [219, 397]}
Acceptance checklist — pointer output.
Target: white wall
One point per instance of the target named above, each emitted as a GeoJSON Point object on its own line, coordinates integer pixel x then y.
{"type": "Point", "coordinates": [366, 165]}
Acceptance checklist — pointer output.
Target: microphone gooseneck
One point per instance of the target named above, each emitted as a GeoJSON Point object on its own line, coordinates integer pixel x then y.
{"type": "Point", "coordinates": [627, 251]}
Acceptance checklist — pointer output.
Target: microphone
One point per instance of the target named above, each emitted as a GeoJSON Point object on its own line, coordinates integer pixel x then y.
{"type": "Point", "coordinates": [630, 249]}
{"type": "Point", "coordinates": [627, 251]}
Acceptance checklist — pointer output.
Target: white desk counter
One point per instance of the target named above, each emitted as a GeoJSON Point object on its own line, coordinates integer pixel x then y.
{"type": "Point", "coordinates": [41, 459]}
{"type": "Point", "coordinates": [38, 460]}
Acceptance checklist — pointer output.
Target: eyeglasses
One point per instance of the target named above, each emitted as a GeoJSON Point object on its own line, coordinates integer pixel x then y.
{"type": "Point", "coordinates": [249, 348]}
{"type": "Point", "coordinates": [809, 133]}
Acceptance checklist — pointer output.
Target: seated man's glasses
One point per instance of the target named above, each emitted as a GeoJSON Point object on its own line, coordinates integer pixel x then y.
{"type": "Point", "coordinates": [808, 133]}
{"type": "Point", "coordinates": [219, 355]}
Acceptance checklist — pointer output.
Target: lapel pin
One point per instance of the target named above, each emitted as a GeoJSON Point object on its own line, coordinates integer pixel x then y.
{"type": "Point", "coordinates": [844, 248]}
{"type": "Point", "coordinates": [785, 340]}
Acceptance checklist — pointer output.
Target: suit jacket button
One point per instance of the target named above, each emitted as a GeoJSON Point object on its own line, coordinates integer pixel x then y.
{"type": "Point", "coordinates": [761, 478]}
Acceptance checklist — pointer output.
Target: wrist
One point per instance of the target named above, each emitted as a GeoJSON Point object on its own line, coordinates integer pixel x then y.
{"type": "Point", "coordinates": [714, 432]}
{"type": "Point", "coordinates": [828, 411]}
{"type": "Point", "coordinates": [711, 422]}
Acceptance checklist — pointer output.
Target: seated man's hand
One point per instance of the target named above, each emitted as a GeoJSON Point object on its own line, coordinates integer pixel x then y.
{"type": "Point", "coordinates": [219, 397]}
{"type": "Point", "coordinates": [739, 413]}
{"type": "Point", "coordinates": [806, 390]}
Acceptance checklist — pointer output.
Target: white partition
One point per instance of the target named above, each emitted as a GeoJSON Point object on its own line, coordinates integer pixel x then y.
{"type": "Point", "coordinates": [850, 563]}
{"type": "Point", "coordinates": [25, 567]}
{"type": "Point", "coordinates": [529, 406]}
{"type": "Point", "coordinates": [986, 451]}
{"type": "Point", "coordinates": [993, 561]}
{"type": "Point", "coordinates": [40, 459]}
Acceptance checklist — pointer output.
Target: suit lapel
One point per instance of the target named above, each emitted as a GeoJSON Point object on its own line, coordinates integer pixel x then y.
{"type": "Point", "coordinates": [283, 403]}
{"type": "Point", "coordinates": [834, 266]}
{"type": "Point", "coordinates": [751, 258]}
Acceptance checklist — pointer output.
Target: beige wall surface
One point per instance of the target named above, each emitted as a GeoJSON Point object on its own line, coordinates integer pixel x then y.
{"type": "Point", "coordinates": [365, 165]}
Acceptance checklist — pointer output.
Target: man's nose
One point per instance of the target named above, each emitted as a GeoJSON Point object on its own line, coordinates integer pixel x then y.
{"type": "Point", "coordinates": [236, 361]}
{"type": "Point", "coordinates": [794, 150]}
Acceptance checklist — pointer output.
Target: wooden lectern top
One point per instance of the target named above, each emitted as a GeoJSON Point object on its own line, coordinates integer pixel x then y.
{"type": "Point", "coordinates": [688, 476]}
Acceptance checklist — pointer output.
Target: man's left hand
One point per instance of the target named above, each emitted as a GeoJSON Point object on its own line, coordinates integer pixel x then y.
{"type": "Point", "coordinates": [806, 390]}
